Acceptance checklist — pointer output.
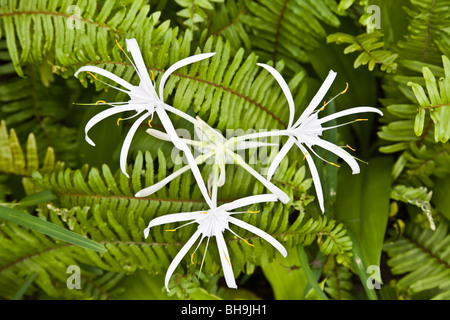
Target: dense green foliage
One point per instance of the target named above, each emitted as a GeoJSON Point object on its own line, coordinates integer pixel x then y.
{"type": "Point", "coordinates": [393, 215]}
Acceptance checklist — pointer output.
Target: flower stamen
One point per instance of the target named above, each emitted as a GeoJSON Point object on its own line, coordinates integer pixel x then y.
{"type": "Point", "coordinates": [346, 88]}
{"type": "Point", "coordinates": [192, 258]}
{"type": "Point", "coordinates": [117, 42]}
{"type": "Point", "coordinates": [362, 120]}
{"type": "Point", "coordinates": [171, 230]}
{"type": "Point", "coordinates": [334, 164]}
{"type": "Point", "coordinates": [149, 123]}
{"type": "Point", "coordinates": [227, 260]}
{"type": "Point", "coordinates": [251, 245]}
{"type": "Point", "coordinates": [350, 147]}
{"type": "Point", "coordinates": [100, 101]}
{"type": "Point", "coordinates": [118, 120]}
{"type": "Point", "coordinates": [304, 156]}
{"type": "Point", "coordinates": [92, 75]}
{"type": "Point", "coordinates": [253, 211]}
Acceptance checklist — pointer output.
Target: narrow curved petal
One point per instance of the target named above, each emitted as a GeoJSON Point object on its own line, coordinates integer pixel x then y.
{"type": "Point", "coordinates": [102, 115]}
{"type": "Point", "coordinates": [315, 176]}
{"type": "Point", "coordinates": [160, 184]}
{"type": "Point", "coordinates": [225, 260]}
{"type": "Point", "coordinates": [174, 217]}
{"type": "Point", "coordinates": [222, 175]}
{"type": "Point", "coordinates": [347, 112]}
{"type": "Point", "coordinates": [133, 48]}
{"type": "Point", "coordinates": [176, 261]}
{"type": "Point", "coordinates": [284, 86]}
{"type": "Point", "coordinates": [180, 64]}
{"type": "Point", "coordinates": [165, 120]}
{"type": "Point", "coordinates": [269, 185]}
{"type": "Point", "coordinates": [249, 201]}
{"type": "Point", "coordinates": [244, 225]}
{"type": "Point", "coordinates": [347, 157]}
{"type": "Point", "coordinates": [253, 144]}
{"type": "Point", "coordinates": [279, 157]}
{"type": "Point", "coordinates": [106, 74]}
{"type": "Point", "coordinates": [127, 142]}
{"type": "Point", "coordinates": [159, 134]}
{"type": "Point", "coordinates": [318, 98]}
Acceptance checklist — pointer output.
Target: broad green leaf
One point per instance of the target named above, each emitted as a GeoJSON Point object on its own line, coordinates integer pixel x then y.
{"type": "Point", "coordinates": [48, 228]}
{"type": "Point", "coordinates": [363, 205]}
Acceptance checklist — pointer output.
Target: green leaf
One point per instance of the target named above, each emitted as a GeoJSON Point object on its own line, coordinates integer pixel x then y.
{"type": "Point", "coordinates": [363, 205]}
{"type": "Point", "coordinates": [19, 294]}
{"type": "Point", "coordinates": [48, 228]}
{"type": "Point", "coordinates": [37, 198]}
{"type": "Point", "coordinates": [309, 274]}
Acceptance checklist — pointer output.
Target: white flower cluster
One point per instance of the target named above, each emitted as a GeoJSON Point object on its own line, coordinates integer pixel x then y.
{"type": "Point", "coordinates": [145, 101]}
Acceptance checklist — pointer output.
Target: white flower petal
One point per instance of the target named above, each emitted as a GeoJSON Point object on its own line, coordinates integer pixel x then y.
{"type": "Point", "coordinates": [160, 184]}
{"type": "Point", "coordinates": [259, 198]}
{"type": "Point", "coordinates": [315, 176]}
{"type": "Point", "coordinates": [158, 134]}
{"type": "Point", "coordinates": [106, 74]}
{"type": "Point", "coordinates": [165, 120]}
{"type": "Point", "coordinates": [269, 185]}
{"type": "Point", "coordinates": [178, 65]}
{"type": "Point", "coordinates": [244, 225]}
{"type": "Point", "coordinates": [179, 256]}
{"type": "Point", "coordinates": [133, 48]}
{"type": "Point", "coordinates": [253, 144]}
{"type": "Point", "coordinates": [102, 115]}
{"type": "Point", "coordinates": [279, 157]}
{"type": "Point", "coordinates": [127, 142]}
{"type": "Point", "coordinates": [318, 98]}
{"type": "Point", "coordinates": [339, 152]}
{"type": "Point", "coordinates": [284, 86]}
{"type": "Point", "coordinates": [349, 112]}
{"type": "Point", "coordinates": [174, 217]}
{"type": "Point", "coordinates": [225, 260]}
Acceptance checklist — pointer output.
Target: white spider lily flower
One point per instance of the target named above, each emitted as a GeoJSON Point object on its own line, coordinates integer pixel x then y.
{"type": "Point", "coordinates": [306, 131]}
{"type": "Point", "coordinates": [143, 98]}
{"type": "Point", "coordinates": [215, 147]}
{"type": "Point", "coordinates": [213, 223]}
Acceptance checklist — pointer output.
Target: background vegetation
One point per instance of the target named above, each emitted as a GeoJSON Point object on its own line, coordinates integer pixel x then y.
{"type": "Point", "coordinates": [394, 215]}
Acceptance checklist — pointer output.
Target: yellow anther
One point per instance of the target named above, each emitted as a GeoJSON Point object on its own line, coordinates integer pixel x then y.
{"type": "Point", "coordinates": [92, 75]}
{"type": "Point", "coordinates": [324, 104]}
{"type": "Point", "coordinates": [253, 211]}
{"type": "Point", "coordinates": [304, 156]}
{"type": "Point", "coordinates": [100, 101]}
{"type": "Point", "coordinates": [119, 45]}
{"type": "Point", "coordinates": [227, 260]}
{"type": "Point", "coordinates": [204, 212]}
{"type": "Point", "coordinates": [153, 76]}
{"type": "Point", "coordinates": [362, 120]}
{"type": "Point", "coordinates": [192, 258]}
{"type": "Point", "coordinates": [334, 164]}
{"type": "Point", "coordinates": [350, 148]}
{"type": "Point", "coordinates": [118, 120]}
{"type": "Point", "coordinates": [149, 123]}
{"type": "Point", "coordinates": [346, 88]}
{"type": "Point", "coordinates": [248, 243]}
{"type": "Point", "coordinates": [171, 230]}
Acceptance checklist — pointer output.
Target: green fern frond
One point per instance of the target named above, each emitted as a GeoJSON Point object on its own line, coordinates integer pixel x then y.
{"type": "Point", "coordinates": [14, 160]}
{"type": "Point", "coordinates": [437, 101]}
{"type": "Point", "coordinates": [67, 33]}
{"type": "Point", "coordinates": [286, 30]}
{"type": "Point", "coordinates": [371, 48]}
{"type": "Point", "coordinates": [195, 11]}
{"type": "Point", "coordinates": [102, 207]}
{"type": "Point", "coordinates": [423, 255]}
